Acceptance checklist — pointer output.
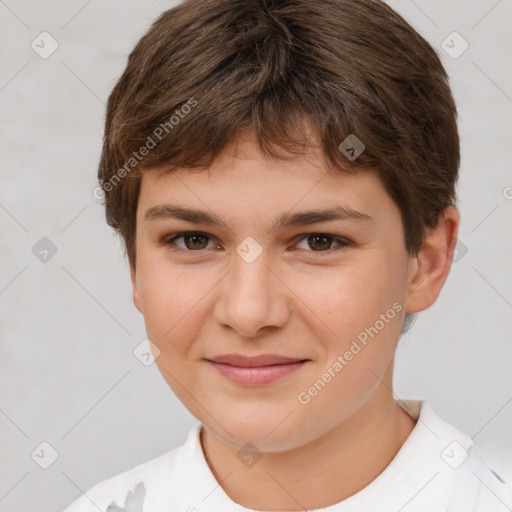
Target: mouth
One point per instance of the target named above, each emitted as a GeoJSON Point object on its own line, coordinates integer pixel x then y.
{"type": "Point", "coordinates": [257, 370]}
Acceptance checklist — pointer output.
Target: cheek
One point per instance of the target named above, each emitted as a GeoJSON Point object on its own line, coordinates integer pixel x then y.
{"type": "Point", "coordinates": [348, 299]}
{"type": "Point", "coordinates": [173, 305]}
{"type": "Point", "coordinates": [363, 311]}
{"type": "Point", "coordinates": [360, 305]}
{"type": "Point", "coordinates": [174, 315]}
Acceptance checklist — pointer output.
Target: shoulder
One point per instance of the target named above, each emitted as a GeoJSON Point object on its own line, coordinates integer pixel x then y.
{"type": "Point", "coordinates": [131, 488]}
{"type": "Point", "coordinates": [483, 483]}
{"type": "Point", "coordinates": [477, 479]}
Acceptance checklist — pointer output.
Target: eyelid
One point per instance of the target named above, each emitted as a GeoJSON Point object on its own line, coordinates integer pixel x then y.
{"type": "Point", "coordinates": [169, 240]}
{"type": "Point", "coordinates": [342, 241]}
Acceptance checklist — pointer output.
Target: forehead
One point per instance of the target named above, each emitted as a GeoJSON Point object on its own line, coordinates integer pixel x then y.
{"type": "Point", "coordinates": [244, 182]}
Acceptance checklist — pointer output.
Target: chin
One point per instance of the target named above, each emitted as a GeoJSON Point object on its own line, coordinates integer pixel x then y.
{"type": "Point", "coordinates": [269, 431]}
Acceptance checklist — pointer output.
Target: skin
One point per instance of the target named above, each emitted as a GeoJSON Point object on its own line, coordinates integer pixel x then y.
{"type": "Point", "coordinates": [295, 299]}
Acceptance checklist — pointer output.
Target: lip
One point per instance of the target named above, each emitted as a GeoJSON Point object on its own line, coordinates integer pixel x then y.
{"type": "Point", "coordinates": [256, 370]}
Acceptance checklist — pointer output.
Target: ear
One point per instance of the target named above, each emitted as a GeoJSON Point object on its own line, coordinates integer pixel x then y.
{"type": "Point", "coordinates": [429, 269]}
{"type": "Point", "coordinates": [136, 298]}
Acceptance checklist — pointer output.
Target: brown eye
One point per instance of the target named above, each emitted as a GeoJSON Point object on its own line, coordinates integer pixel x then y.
{"type": "Point", "coordinates": [192, 241]}
{"type": "Point", "coordinates": [321, 242]}
{"type": "Point", "coordinates": [195, 241]}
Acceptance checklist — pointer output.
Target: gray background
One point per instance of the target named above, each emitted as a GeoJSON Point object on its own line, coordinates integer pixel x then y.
{"type": "Point", "coordinates": [68, 327]}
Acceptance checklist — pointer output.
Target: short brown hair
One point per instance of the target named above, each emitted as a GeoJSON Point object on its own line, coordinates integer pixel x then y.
{"type": "Point", "coordinates": [207, 69]}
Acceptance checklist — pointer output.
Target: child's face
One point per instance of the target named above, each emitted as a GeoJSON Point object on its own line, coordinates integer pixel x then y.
{"type": "Point", "coordinates": [304, 301]}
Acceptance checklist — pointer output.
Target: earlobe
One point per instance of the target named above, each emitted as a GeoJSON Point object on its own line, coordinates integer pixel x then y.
{"type": "Point", "coordinates": [429, 269]}
{"type": "Point", "coordinates": [136, 298]}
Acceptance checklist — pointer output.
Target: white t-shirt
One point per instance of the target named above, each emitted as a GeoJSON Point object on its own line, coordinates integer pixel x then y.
{"type": "Point", "coordinates": [438, 468]}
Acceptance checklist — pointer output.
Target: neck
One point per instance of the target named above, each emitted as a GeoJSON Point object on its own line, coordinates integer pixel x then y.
{"type": "Point", "coordinates": [324, 472]}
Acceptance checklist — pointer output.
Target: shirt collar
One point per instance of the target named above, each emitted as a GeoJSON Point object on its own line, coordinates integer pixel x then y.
{"type": "Point", "coordinates": [417, 465]}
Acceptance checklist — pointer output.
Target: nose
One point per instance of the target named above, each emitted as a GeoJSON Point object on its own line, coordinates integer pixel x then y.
{"type": "Point", "coordinates": [253, 298]}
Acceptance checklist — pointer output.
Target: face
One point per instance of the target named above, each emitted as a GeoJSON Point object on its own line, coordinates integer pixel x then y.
{"type": "Point", "coordinates": [319, 301]}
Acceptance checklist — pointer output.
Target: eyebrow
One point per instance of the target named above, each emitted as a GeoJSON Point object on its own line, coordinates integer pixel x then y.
{"type": "Point", "coordinates": [285, 220]}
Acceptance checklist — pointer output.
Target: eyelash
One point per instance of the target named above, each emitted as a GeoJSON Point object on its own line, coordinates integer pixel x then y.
{"type": "Point", "coordinates": [169, 242]}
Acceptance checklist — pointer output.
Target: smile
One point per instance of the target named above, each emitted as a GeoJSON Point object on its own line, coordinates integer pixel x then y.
{"type": "Point", "coordinates": [255, 371]}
